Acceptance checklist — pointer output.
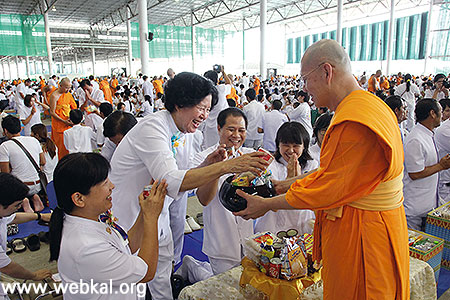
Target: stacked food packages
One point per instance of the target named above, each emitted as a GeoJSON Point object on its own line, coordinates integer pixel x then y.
{"type": "Point", "coordinates": [286, 255]}
{"type": "Point", "coordinates": [248, 178]}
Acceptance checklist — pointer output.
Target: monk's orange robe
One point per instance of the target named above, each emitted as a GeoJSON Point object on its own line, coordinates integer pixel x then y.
{"type": "Point", "coordinates": [257, 85]}
{"type": "Point", "coordinates": [385, 85]}
{"type": "Point", "coordinates": [104, 87]}
{"type": "Point", "coordinates": [64, 104]}
{"type": "Point", "coordinates": [114, 84]}
{"type": "Point", "coordinates": [47, 98]}
{"type": "Point", "coordinates": [42, 84]}
{"type": "Point", "coordinates": [370, 85]}
{"type": "Point", "coordinates": [233, 95]}
{"type": "Point", "coordinates": [365, 251]}
{"type": "Point", "coordinates": [157, 85]}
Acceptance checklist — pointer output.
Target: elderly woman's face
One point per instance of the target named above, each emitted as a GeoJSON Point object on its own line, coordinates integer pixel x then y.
{"type": "Point", "coordinates": [190, 118]}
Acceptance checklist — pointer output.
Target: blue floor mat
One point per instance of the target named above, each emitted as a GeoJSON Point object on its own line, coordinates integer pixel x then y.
{"type": "Point", "coordinates": [193, 247]}
{"type": "Point", "coordinates": [444, 282]}
{"type": "Point", "coordinates": [28, 228]}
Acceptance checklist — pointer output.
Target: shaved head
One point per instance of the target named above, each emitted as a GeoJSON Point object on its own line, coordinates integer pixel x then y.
{"type": "Point", "coordinates": [327, 51]}
{"type": "Point", "coordinates": [65, 80]}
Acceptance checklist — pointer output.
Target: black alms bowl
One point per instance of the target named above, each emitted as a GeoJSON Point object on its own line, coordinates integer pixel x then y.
{"type": "Point", "coordinates": [233, 202]}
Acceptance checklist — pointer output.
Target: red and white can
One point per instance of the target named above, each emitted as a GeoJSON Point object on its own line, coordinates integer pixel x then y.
{"type": "Point", "coordinates": [275, 267]}
{"type": "Point", "coordinates": [268, 157]}
{"type": "Point", "coordinates": [147, 190]}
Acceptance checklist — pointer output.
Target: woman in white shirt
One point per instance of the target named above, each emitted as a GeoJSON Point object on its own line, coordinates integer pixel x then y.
{"type": "Point", "coordinates": [39, 131]}
{"type": "Point", "coordinates": [409, 92]}
{"type": "Point", "coordinates": [146, 106]}
{"type": "Point", "coordinates": [292, 159]}
{"type": "Point", "coordinates": [89, 246]}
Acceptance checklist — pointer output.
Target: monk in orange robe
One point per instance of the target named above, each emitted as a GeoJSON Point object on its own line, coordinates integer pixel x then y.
{"type": "Point", "coordinates": [61, 102]}
{"type": "Point", "coordinates": [256, 84]}
{"type": "Point", "coordinates": [233, 95]}
{"type": "Point", "coordinates": [360, 232]}
{"type": "Point", "coordinates": [374, 82]}
{"type": "Point", "coordinates": [114, 84]}
{"type": "Point", "coordinates": [46, 92]}
{"type": "Point", "coordinates": [158, 85]}
{"type": "Point", "coordinates": [104, 87]}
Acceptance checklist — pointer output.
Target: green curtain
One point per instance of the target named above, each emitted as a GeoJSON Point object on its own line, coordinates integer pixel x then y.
{"type": "Point", "coordinates": [306, 42]}
{"type": "Point", "coordinates": [22, 35]}
{"type": "Point", "coordinates": [363, 42]}
{"type": "Point", "coordinates": [290, 51]}
{"type": "Point", "coordinates": [374, 40]}
{"type": "Point", "coordinates": [344, 38]}
{"type": "Point", "coordinates": [298, 49]}
{"type": "Point", "coordinates": [400, 39]}
{"type": "Point", "coordinates": [384, 39]}
{"type": "Point", "coordinates": [333, 35]}
{"type": "Point", "coordinates": [315, 37]}
{"type": "Point", "coordinates": [441, 39]}
{"type": "Point", "coordinates": [423, 34]}
{"type": "Point", "coordinates": [411, 50]}
{"type": "Point", "coordinates": [352, 45]}
{"type": "Point", "coordinates": [324, 35]}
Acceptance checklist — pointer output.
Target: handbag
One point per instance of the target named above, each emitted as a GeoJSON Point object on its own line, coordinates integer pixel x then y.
{"type": "Point", "coordinates": [42, 176]}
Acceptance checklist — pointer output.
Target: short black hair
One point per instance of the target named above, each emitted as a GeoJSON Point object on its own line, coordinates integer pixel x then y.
{"type": "Point", "coordinates": [118, 122]}
{"type": "Point", "coordinates": [11, 124]}
{"type": "Point", "coordinates": [147, 98]}
{"type": "Point", "coordinates": [85, 82]}
{"type": "Point", "coordinates": [322, 122]}
{"type": "Point", "coordinates": [12, 189]}
{"type": "Point", "coordinates": [91, 77]}
{"type": "Point", "coordinates": [188, 89]}
{"type": "Point", "coordinates": [212, 75]}
{"type": "Point", "coordinates": [444, 103]}
{"type": "Point", "coordinates": [105, 108]}
{"type": "Point", "coordinates": [145, 77]}
{"type": "Point", "coordinates": [250, 94]}
{"type": "Point", "coordinates": [304, 94]}
{"type": "Point", "coordinates": [438, 77]}
{"type": "Point", "coordinates": [394, 102]}
{"type": "Point", "coordinates": [230, 111]}
{"type": "Point", "coordinates": [76, 116]}
{"type": "Point", "coordinates": [120, 105]}
{"type": "Point", "coordinates": [27, 100]}
{"type": "Point", "coordinates": [423, 108]}
{"type": "Point", "coordinates": [277, 104]}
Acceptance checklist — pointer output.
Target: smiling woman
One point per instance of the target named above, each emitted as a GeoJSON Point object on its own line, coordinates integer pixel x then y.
{"type": "Point", "coordinates": [92, 240]}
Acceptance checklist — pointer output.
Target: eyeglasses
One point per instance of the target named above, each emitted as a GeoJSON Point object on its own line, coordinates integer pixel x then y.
{"type": "Point", "coordinates": [304, 77]}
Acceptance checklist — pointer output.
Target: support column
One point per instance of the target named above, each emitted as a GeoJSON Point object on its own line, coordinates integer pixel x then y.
{"type": "Point", "coordinates": [27, 63]}
{"type": "Point", "coordinates": [263, 25]}
{"type": "Point", "coordinates": [391, 33]}
{"type": "Point", "coordinates": [3, 69]}
{"type": "Point", "coordinates": [107, 65]}
{"type": "Point", "coordinates": [93, 60]}
{"type": "Point", "coordinates": [130, 53]}
{"type": "Point", "coordinates": [9, 68]}
{"type": "Point", "coordinates": [340, 5]}
{"type": "Point", "coordinates": [62, 64]}
{"type": "Point", "coordinates": [17, 66]}
{"type": "Point", "coordinates": [243, 45]}
{"type": "Point", "coordinates": [47, 39]}
{"type": "Point", "coordinates": [143, 36]}
{"type": "Point", "coordinates": [76, 63]}
{"type": "Point", "coordinates": [428, 41]}
{"type": "Point", "coordinates": [42, 67]}
{"type": "Point", "coordinates": [35, 67]}
{"type": "Point", "coordinates": [193, 43]}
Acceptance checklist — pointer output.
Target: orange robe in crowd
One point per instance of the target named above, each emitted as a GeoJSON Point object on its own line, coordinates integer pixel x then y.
{"type": "Point", "coordinates": [385, 85]}
{"type": "Point", "coordinates": [42, 84]}
{"type": "Point", "coordinates": [371, 87]}
{"type": "Point", "coordinates": [233, 95]}
{"type": "Point", "coordinates": [47, 98]}
{"type": "Point", "coordinates": [114, 84]}
{"type": "Point", "coordinates": [158, 86]}
{"type": "Point", "coordinates": [365, 251]}
{"type": "Point", "coordinates": [257, 85]}
{"type": "Point", "coordinates": [104, 87]}
{"type": "Point", "coordinates": [64, 104]}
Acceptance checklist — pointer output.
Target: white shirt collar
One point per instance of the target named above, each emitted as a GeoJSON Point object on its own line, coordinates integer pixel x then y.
{"type": "Point", "coordinates": [425, 130]}
{"type": "Point", "coordinates": [173, 129]}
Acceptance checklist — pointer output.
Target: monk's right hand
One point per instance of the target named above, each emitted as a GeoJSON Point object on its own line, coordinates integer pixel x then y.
{"type": "Point", "coordinates": [256, 206]}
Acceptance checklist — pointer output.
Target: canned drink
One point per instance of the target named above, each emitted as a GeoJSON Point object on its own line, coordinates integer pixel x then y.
{"type": "Point", "coordinates": [278, 247]}
{"type": "Point", "coordinates": [231, 152]}
{"type": "Point", "coordinates": [281, 234]}
{"type": "Point", "coordinates": [268, 157]}
{"type": "Point", "coordinates": [264, 263]}
{"type": "Point", "coordinates": [147, 190]}
{"type": "Point", "coordinates": [292, 232]}
{"type": "Point", "coordinates": [275, 267]}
